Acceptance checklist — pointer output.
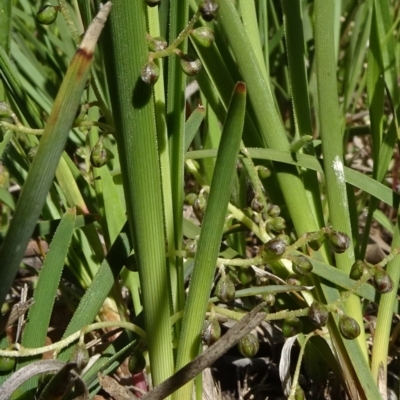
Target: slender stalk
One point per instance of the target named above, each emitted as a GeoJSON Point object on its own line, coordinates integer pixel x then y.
{"type": "Point", "coordinates": [125, 52]}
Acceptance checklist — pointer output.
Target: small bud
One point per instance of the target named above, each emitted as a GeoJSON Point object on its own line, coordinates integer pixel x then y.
{"type": "Point", "coordinates": [190, 198]}
{"type": "Point", "coordinates": [339, 241]}
{"type": "Point", "coordinates": [153, 3]}
{"type": "Point", "coordinates": [293, 280]}
{"type": "Point", "coordinates": [204, 36]}
{"type": "Point", "coordinates": [47, 14]}
{"type": "Point", "coordinates": [301, 265]}
{"type": "Point", "coordinates": [248, 345]}
{"type": "Point", "coordinates": [7, 364]}
{"type": "Point", "coordinates": [32, 152]}
{"type": "Point", "coordinates": [190, 65]}
{"type": "Point", "coordinates": [275, 247]}
{"type": "Point", "coordinates": [291, 326]}
{"type": "Point", "coordinates": [274, 211]}
{"type": "Point", "coordinates": [358, 269]}
{"type": "Point", "coordinates": [200, 203]}
{"type": "Point", "coordinates": [137, 362]}
{"type": "Point", "coordinates": [211, 331]}
{"type": "Point", "coordinates": [257, 205]}
{"type": "Point", "coordinates": [277, 224]}
{"type": "Point", "coordinates": [348, 327]}
{"type": "Point", "coordinates": [225, 289]}
{"type": "Point", "coordinates": [382, 281]}
{"type": "Point", "coordinates": [263, 172]}
{"type": "Point", "coordinates": [318, 314]}
{"type": "Point", "coordinates": [98, 156]}
{"type": "Point", "coordinates": [269, 298]}
{"type": "Point", "coordinates": [245, 275]}
{"type": "Point", "coordinates": [157, 44]}
{"type": "Point", "coordinates": [5, 110]}
{"type": "Point", "coordinates": [80, 356]}
{"type": "Point", "coordinates": [208, 9]}
{"type": "Point", "coordinates": [150, 73]}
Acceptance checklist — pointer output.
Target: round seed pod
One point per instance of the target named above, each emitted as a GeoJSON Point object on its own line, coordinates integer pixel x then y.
{"type": "Point", "coordinates": [269, 298]}
{"type": "Point", "coordinates": [348, 327]}
{"type": "Point", "coordinates": [277, 224]}
{"type": "Point", "coordinates": [301, 265]}
{"type": "Point", "coordinates": [293, 280]}
{"type": "Point", "coordinates": [98, 155]}
{"type": "Point", "coordinates": [208, 9]}
{"type": "Point", "coordinates": [382, 281]}
{"type": "Point", "coordinates": [318, 314]}
{"type": "Point", "coordinates": [80, 356]}
{"type": "Point", "coordinates": [211, 331]}
{"type": "Point", "coordinates": [256, 204]}
{"type": "Point", "coordinates": [136, 362]}
{"type": "Point", "coordinates": [339, 241]}
{"type": "Point", "coordinates": [316, 243]}
{"type": "Point", "coordinates": [263, 172]}
{"type": "Point", "coordinates": [275, 247]}
{"type": "Point", "coordinates": [7, 364]}
{"type": "Point", "coordinates": [190, 65]}
{"type": "Point", "coordinates": [291, 326]}
{"type": "Point", "coordinates": [153, 3]}
{"type": "Point", "coordinates": [358, 269]}
{"type": "Point", "coordinates": [47, 14]}
{"type": "Point", "coordinates": [274, 211]}
{"type": "Point", "coordinates": [5, 110]}
{"type": "Point", "coordinates": [150, 73]}
{"type": "Point", "coordinates": [204, 36]}
{"type": "Point", "coordinates": [157, 43]}
{"type": "Point", "coordinates": [225, 289]}
{"type": "Point", "coordinates": [248, 345]}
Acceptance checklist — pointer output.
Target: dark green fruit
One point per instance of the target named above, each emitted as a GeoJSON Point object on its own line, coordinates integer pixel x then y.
{"type": "Point", "coordinates": [358, 269]}
{"type": "Point", "coordinates": [208, 9]}
{"type": "Point", "coordinates": [7, 364]}
{"type": "Point", "coordinates": [348, 327]}
{"type": "Point", "coordinates": [291, 326]}
{"type": "Point", "coordinates": [256, 204]}
{"type": "Point", "coordinates": [316, 243]}
{"type": "Point", "coordinates": [382, 281]}
{"type": "Point", "coordinates": [204, 36]}
{"type": "Point", "coordinates": [5, 110]}
{"type": "Point", "coordinates": [190, 65]}
{"type": "Point", "coordinates": [339, 241]}
{"type": "Point", "coordinates": [47, 14]}
{"type": "Point", "coordinates": [275, 247]}
{"type": "Point", "coordinates": [248, 345]}
{"type": "Point", "coordinates": [246, 275]}
{"type": "Point", "coordinates": [318, 314]}
{"type": "Point", "coordinates": [301, 265]}
{"type": "Point", "coordinates": [150, 73]}
{"type": "Point", "coordinates": [136, 362]}
{"type": "Point", "coordinates": [157, 44]}
{"type": "Point", "coordinates": [211, 331]}
{"type": "Point", "coordinates": [98, 156]}
{"type": "Point", "coordinates": [225, 289]}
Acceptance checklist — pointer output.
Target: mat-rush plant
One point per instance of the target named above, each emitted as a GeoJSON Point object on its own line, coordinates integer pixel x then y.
{"type": "Point", "coordinates": [131, 128]}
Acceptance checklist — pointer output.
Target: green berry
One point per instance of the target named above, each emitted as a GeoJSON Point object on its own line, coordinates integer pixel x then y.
{"type": "Point", "coordinates": [204, 36]}
{"type": "Point", "coordinates": [5, 110]}
{"type": "Point", "coordinates": [301, 265]}
{"type": "Point", "coordinates": [339, 241]}
{"type": "Point", "coordinates": [382, 281]}
{"type": "Point", "coordinates": [291, 326]}
{"type": "Point", "coordinates": [208, 9]}
{"type": "Point", "coordinates": [348, 327]}
{"type": "Point", "coordinates": [157, 44]}
{"type": "Point", "coordinates": [275, 247]}
{"type": "Point", "coordinates": [358, 269]}
{"type": "Point", "coordinates": [225, 289]}
{"type": "Point", "coordinates": [211, 331]}
{"type": "Point", "coordinates": [136, 362]}
{"type": "Point", "coordinates": [98, 155]}
{"type": "Point", "coordinates": [7, 364]}
{"type": "Point", "coordinates": [190, 65]}
{"type": "Point", "coordinates": [248, 345]}
{"type": "Point", "coordinates": [263, 172]}
{"type": "Point", "coordinates": [47, 14]}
